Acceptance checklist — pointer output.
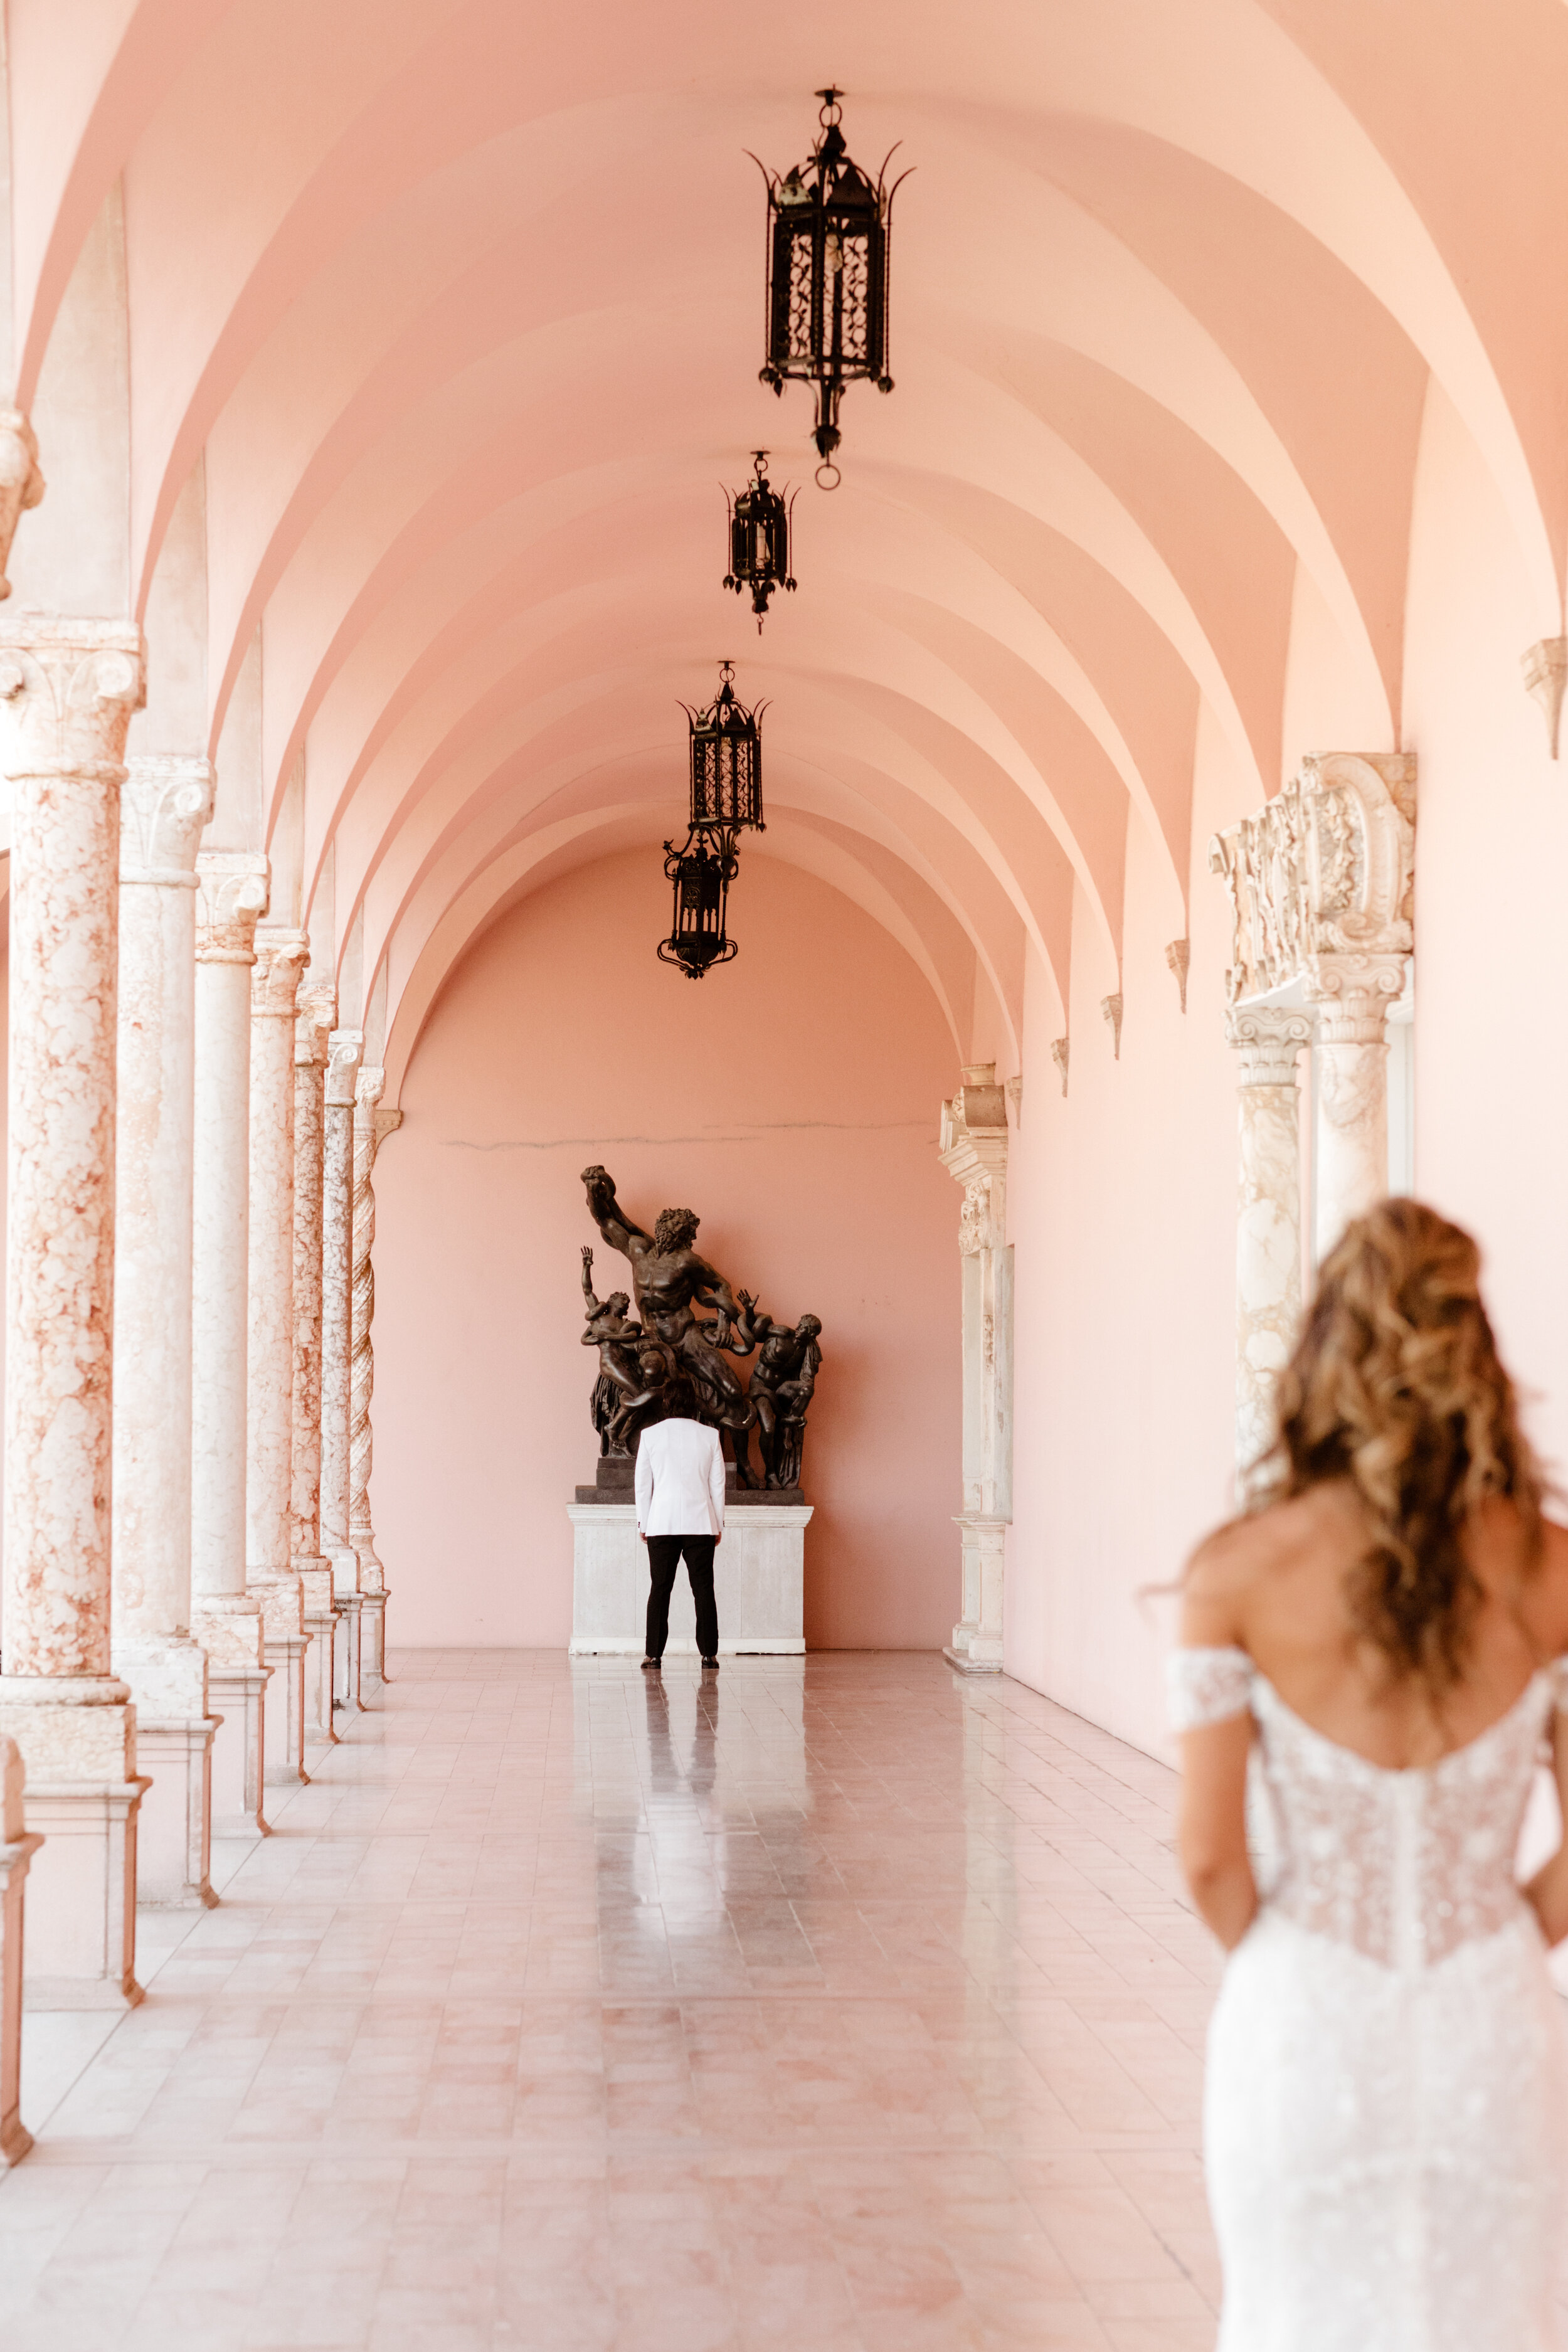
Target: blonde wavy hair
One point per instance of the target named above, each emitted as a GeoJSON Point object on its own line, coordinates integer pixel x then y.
{"type": "Point", "coordinates": [1396, 1385]}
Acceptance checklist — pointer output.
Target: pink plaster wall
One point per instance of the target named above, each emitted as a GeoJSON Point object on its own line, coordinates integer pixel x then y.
{"type": "Point", "coordinates": [791, 1099]}
{"type": "Point", "coordinates": [1121, 1205]}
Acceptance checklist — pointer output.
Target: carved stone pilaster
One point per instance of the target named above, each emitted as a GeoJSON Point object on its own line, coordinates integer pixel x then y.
{"type": "Point", "coordinates": [345, 1056]}
{"type": "Point", "coordinates": [1267, 1040]}
{"type": "Point", "coordinates": [21, 482]}
{"type": "Point", "coordinates": [973, 1150]}
{"type": "Point", "coordinates": [1322, 885]}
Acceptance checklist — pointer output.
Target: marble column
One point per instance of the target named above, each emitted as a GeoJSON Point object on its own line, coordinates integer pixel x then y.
{"type": "Point", "coordinates": [224, 1616]}
{"type": "Point", "coordinates": [345, 1053]}
{"type": "Point", "coordinates": [317, 1011]}
{"type": "Point", "coordinates": [372, 1127]}
{"type": "Point", "coordinates": [165, 803]}
{"type": "Point", "coordinates": [1351, 996]}
{"type": "Point", "coordinates": [280, 959]}
{"type": "Point", "coordinates": [975, 1152]}
{"type": "Point", "coordinates": [70, 686]}
{"type": "Point", "coordinates": [1268, 1213]}
{"type": "Point", "coordinates": [17, 1847]}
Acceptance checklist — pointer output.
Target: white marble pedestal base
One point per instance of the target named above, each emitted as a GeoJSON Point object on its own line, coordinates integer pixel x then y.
{"type": "Point", "coordinates": [759, 1576]}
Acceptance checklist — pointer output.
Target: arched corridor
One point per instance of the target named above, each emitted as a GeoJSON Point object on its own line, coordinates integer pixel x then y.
{"type": "Point", "coordinates": [838, 2000]}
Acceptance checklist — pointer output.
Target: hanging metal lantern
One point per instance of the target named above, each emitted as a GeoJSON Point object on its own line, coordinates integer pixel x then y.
{"type": "Point", "coordinates": [829, 231]}
{"type": "Point", "coordinates": [758, 539]}
{"type": "Point", "coordinates": [726, 759]}
{"type": "Point", "coordinates": [701, 872]}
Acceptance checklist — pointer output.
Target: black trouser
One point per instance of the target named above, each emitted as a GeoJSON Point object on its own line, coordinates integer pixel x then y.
{"type": "Point", "coordinates": [663, 1560]}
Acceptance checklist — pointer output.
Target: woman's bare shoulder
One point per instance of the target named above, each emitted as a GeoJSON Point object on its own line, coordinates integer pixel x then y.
{"type": "Point", "coordinates": [1228, 1565]}
{"type": "Point", "coordinates": [1547, 1602]}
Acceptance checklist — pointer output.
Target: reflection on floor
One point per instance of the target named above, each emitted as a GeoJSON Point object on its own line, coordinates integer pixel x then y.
{"type": "Point", "coordinates": [831, 2002]}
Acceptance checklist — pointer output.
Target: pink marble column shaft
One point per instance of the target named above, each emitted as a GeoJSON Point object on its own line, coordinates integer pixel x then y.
{"type": "Point", "coordinates": [69, 688]}
{"type": "Point", "coordinates": [313, 1021]}
{"type": "Point", "coordinates": [373, 1125]}
{"type": "Point", "coordinates": [226, 1617]}
{"type": "Point", "coordinates": [345, 1054]}
{"type": "Point", "coordinates": [281, 958]}
{"type": "Point", "coordinates": [165, 806]}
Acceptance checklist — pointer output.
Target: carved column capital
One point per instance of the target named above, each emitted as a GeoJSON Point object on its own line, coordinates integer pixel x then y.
{"type": "Point", "coordinates": [21, 482]}
{"type": "Point", "coordinates": [281, 955]}
{"type": "Point", "coordinates": [345, 1053]}
{"type": "Point", "coordinates": [72, 687]}
{"type": "Point", "coordinates": [1268, 1037]}
{"type": "Point", "coordinates": [370, 1085]}
{"type": "Point", "coordinates": [316, 1009]}
{"type": "Point", "coordinates": [232, 890]}
{"type": "Point", "coordinates": [164, 803]}
{"type": "Point", "coordinates": [973, 1147]}
{"type": "Point", "coordinates": [1353, 994]}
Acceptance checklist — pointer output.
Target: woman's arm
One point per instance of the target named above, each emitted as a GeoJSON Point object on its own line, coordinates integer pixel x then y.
{"type": "Point", "coordinates": [1211, 1836]}
{"type": "Point", "coordinates": [1547, 1892]}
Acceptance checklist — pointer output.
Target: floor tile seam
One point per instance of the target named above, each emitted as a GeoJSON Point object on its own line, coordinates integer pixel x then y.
{"type": "Point", "coordinates": [264, 2156]}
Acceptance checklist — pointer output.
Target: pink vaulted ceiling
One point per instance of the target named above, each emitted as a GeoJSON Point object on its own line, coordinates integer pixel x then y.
{"type": "Point", "coordinates": [460, 306]}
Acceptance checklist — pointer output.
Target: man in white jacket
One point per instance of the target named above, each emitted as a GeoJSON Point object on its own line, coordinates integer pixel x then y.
{"type": "Point", "coordinates": [681, 1508]}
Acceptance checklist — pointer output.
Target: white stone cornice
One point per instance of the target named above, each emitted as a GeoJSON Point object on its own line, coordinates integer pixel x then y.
{"type": "Point", "coordinates": [72, 687]}
{"type": "Point", "coordinates": [232, 890]}
{"type": "Point", "coordinates": [281, 955]}
{"type": "Point", "coordinates": [164, 804]}
{"type": "Point", "coordinates": [21, 482]}
{"type": "Point", "coordinates": [1268, 1039]}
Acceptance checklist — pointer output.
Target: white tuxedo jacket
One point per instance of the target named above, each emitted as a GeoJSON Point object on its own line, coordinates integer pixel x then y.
{"type": "Point", "coordinates": [680, 1480]}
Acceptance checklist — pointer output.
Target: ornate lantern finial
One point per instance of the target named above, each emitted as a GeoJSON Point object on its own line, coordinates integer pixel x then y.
{"type": "Point", "coordinates": [726, 798]}
{"type": "Point", "coordinates": [829, 231]}
{"type": "Point", "coordinates": [758, 539]}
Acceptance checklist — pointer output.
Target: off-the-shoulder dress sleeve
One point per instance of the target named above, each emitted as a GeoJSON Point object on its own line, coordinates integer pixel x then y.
{"type": "Point", "coordinates": [1205, 1686]}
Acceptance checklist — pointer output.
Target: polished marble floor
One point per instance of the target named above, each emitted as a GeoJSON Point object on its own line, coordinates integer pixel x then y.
{"type": "Point", "coordinates": [828, 2003]}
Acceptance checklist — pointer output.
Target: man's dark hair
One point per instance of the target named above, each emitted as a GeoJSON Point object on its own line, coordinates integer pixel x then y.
{"type": "Point", "coordinates": [675, 1229]}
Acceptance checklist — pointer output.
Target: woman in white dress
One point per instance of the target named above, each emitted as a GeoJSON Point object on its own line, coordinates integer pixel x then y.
{"type": "Point", "coordinates": [1384, 1630]}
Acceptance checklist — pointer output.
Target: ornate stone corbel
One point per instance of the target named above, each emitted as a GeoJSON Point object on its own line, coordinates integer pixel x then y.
{"type": "Point", "coordinates": [1545, 668]}
{"type": "Point", "coordinates": [1061, 1050]}
{"type": "Point", "coordinates": [1111, 1012]}
{"type": "Point", "coordinates": [21, 482]}
{"type": "Point", "coordinates": [1179, 957]}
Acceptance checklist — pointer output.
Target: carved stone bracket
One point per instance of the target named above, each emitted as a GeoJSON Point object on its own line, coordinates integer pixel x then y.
{"type": "Point", "coordinates": [1060, 1051]}
{"type": "Point", "coordinates": [165, 806]}
{"type": "Point", "coordinates": [232, 889]}
{"type": "Point", "coordinates": [1179, 957]}
{"type": "Point", "coordinates": [1110, 1008]}
{"type": "Point", "coordinates": [1545, 668]}
{"type": "Point", "coordinates": [21, 482]}
{"type": "Point", "coordinates": [1325, 871]}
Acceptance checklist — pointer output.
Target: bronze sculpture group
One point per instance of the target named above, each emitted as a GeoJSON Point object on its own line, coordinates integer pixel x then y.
{"type": "Point", "coordinates": [673, 1363]}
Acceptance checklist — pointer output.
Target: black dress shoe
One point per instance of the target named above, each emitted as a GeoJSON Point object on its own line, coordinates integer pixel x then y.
{"type": "Point", "coordinates": [711, 1665]}
{"type": "Point", "coordinates": [654, 1664]}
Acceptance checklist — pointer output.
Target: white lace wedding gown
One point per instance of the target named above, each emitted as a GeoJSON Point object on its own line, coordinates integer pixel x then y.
{"type": "Point", "coordinates": [1386, 2104]}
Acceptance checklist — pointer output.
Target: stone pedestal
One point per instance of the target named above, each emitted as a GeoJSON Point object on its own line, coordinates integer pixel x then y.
{"type": "Point", "coordinates": [758, 1573]}
{"type": "Point", "coordinates": [976, 1644]}
{"type": "Point", "coordinates": [69, 688]}
{"type": "Point", "coordinates": [225, 1617]}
